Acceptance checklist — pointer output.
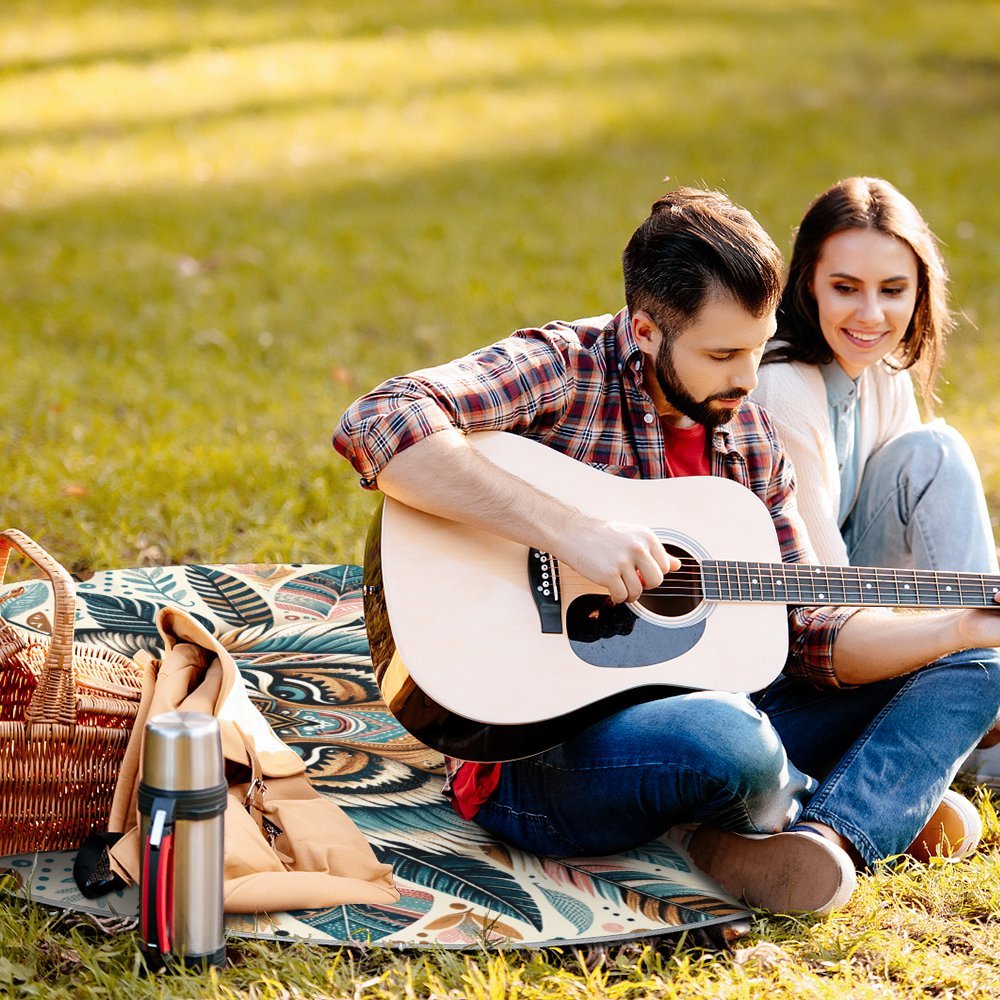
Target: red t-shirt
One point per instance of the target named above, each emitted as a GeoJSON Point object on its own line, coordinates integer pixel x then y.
{"type": "Point", "coordinates": [686, 455]}
{"type": "Point", "coordinates": [686, 450]}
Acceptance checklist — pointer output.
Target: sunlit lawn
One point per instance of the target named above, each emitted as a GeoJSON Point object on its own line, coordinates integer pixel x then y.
{"type": "Point", "coordinates": [222, 221]}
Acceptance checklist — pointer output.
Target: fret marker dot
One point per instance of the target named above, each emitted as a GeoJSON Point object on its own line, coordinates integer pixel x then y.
{"type": "Point", "coordinates": [823, 596]}
{"type": "Point", "coordinates": [753, 579]}
{"type": "Point", "coordinates": [947, 588]}
{"type": "Point", "coordinates": [906, 586]}
{"type": "Point", "coordinates": [780, 582]}
{"type": "Point", "coordinates": [868, 586]}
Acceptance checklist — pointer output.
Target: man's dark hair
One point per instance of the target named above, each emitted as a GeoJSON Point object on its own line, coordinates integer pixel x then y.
{"type": "Point", "coordinates": [694, 244]}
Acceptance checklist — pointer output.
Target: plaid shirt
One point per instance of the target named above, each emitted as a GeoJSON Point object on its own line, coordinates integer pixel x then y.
{"type": "Point", "coordinates": [577, 387]}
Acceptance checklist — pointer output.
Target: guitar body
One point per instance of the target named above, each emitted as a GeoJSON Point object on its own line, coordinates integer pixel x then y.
{"type": "Point", "coordinates": [474, 661]}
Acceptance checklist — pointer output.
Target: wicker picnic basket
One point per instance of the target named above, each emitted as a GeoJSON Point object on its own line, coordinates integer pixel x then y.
{"type": "Point", "coordinates": [66, 711]}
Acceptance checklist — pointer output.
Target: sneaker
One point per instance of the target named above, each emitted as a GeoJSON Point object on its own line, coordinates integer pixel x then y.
{"type": "Point", "coordinates": [953, 831]}
{"type": "Point", "coordinates": [789, 872]}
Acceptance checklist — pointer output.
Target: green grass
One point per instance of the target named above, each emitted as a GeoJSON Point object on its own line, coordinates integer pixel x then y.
{"type": "Point", "coordinates": [912, 932]}
{"type": "Point", "coordinates": [221, 221]}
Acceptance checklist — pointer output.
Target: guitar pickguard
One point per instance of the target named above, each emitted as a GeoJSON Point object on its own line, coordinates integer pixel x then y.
{"type": "Point", "coordinates": [613, 635]}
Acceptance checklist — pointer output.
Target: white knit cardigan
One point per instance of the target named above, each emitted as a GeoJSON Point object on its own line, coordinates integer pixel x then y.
{"type": "Point", "coordinates": [794, 395]}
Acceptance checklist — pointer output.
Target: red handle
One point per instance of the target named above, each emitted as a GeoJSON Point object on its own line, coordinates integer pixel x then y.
{"type": "Point", "coordinates": [165, 894]}
{"type": "Point", "coordinates": [156, 903]}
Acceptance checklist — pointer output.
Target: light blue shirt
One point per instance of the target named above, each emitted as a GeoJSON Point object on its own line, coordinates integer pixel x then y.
{"type": "Point", "coordinates": [842, 402]}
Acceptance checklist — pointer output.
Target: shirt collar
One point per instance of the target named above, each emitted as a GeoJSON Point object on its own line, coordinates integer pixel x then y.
{"type": "Point", "coordinates": [840, 387]}
{"type": "Point", "coordinates": [632, 361]}
{"type": "Point", "coordinates": [722, 440]}
{"type": "Point", "coordinates": [630, 358]}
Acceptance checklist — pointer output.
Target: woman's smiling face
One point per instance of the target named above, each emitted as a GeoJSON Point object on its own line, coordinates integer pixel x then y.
{"type": "Point", "coordinates": [865, 285]}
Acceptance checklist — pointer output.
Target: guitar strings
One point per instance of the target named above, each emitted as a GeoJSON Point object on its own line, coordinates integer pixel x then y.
{"type": "Point", "coordinates": [690, 581]}
{"type": "Point", "coordinates": [834, 598]}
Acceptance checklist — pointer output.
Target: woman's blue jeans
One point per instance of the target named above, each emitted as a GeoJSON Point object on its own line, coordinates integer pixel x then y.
{"type": "Point", "coordinates": [921, 506]}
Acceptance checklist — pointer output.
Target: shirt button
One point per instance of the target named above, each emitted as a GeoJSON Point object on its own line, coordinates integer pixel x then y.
{"type": "Point", "coordinates": [648, 418]}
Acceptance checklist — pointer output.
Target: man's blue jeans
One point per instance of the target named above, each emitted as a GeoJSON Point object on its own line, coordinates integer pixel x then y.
{"type": "Point", "coordinates": [886, 752]}
{"type": "Point", "coordinates": [696, 756]}
{"type": "Point", "coordinates": [872, 762]}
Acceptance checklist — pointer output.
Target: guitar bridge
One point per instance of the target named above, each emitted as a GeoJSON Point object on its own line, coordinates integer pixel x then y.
{"type": "Point", "coordinates": [543, 578]}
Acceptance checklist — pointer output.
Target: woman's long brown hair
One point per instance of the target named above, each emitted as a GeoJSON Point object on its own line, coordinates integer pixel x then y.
{"type": "Point", "coordinates": [866, 203]}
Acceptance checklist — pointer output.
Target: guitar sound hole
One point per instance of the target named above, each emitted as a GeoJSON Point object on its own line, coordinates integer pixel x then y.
{"type": "Point", "coordinates": [680, 593]}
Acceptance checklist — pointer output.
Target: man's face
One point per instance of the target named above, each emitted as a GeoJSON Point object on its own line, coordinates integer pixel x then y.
{"type": "Point", "coordinates": [703, 374]}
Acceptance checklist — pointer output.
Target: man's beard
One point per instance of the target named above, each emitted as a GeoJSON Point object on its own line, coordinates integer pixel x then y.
{"type": "Point", "coordinates": [680, 399]}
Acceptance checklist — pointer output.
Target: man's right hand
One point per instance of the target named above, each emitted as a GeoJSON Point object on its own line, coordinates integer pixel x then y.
{"type": "Point", "coordinates": [624, 558]}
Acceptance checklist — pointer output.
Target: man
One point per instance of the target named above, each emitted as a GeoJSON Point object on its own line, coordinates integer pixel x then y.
{"type": "Point", "coordinates": [660, 390]}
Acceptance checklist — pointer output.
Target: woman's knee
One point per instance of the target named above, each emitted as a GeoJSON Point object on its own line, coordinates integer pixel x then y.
{"type": "Point", "coordinates": [923, 454]}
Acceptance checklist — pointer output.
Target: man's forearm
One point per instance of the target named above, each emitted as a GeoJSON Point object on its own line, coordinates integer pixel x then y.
{"type": "Point", "coordinates": [879, 643]}
{"type": "Point", "coordinates": [444, 475]}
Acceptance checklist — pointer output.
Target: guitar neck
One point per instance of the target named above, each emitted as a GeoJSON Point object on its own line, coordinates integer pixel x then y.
{"type": "Point", "coordinates": [801, 583]}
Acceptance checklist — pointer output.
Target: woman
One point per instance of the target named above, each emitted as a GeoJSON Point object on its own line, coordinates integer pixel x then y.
{"type": "Point", "coordinates": [865, 304]}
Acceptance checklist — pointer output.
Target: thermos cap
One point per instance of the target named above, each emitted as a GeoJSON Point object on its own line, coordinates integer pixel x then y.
{"type": "Point", "coordinates": [182, 752]}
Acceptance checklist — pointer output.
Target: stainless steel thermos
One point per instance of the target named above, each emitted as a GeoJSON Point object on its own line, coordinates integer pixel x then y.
{"type": "Point", "coordinates": [182, 801]}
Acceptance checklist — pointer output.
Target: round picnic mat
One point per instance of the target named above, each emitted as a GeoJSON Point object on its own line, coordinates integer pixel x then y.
{"type": "Point", "coordinates": [297, 633]}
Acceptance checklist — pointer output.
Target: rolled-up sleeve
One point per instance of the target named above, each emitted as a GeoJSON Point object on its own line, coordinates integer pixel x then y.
{"type": "Point", "coordinates": [383, 423]}
{"type": "Point", "coordinates": [812, 632]}
{"type": "Point", "coordinates": [515, 384]}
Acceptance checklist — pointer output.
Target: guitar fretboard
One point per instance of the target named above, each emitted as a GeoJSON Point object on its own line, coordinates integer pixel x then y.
{"type": "Point", "coordinates": [800, 583]}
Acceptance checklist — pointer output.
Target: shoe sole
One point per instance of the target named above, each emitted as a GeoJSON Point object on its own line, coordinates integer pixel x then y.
{"type": "Point", "coordinates": [781, 872]}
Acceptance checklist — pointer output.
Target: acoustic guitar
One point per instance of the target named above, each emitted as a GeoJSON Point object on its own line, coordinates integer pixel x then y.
{"type": "Point", "coordinates": [489, 650]}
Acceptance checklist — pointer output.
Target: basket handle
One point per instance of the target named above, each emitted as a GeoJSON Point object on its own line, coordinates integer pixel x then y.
{"type": "Point", "coordinates": [54, 700]}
